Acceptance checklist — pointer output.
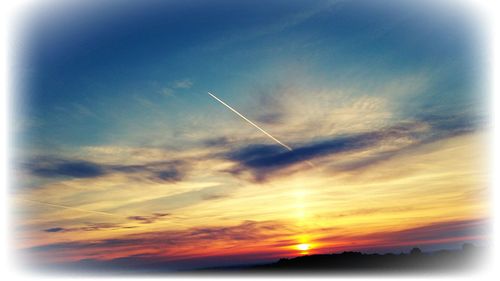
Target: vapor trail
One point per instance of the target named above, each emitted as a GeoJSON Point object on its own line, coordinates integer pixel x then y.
{"type": "Point", "coordinates": [251, 123]}
{"type": "Point", "coordinates": [72, 208]}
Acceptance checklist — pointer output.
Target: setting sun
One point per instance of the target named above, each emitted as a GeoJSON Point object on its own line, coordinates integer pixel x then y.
{"type": "Point", "coordinates": [303, 247]}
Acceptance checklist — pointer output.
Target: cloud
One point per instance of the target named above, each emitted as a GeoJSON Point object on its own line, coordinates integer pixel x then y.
{"type": "Point", "coordinates": [168, 92]}
{"type": "Point", "coordinates": [370, 211]}
{"type": "Point", "coordinates": [148, 219]}
{"type": "Point", "coordinates": [84, 245]}
{"type": "Point", "coordinates": [182, 84]}
{"type": "Point", "coordinates": [247, 230]}
{"type": "Point", "coordinates": [447, 230]}
{"type": "Point", "coordinates": [252, 236]}
{"type": "Point", "coordinates": [53, 167]}
{"type": "Point", "coordinates": [109, 226]}
{"type": "Point", "coordinates": [175, 85]}
{"type": "Point", "coordinates": [439, 233]}
{"type": "Point", "coordinates": [378, 145]}
{"type": "Point", "coordinates": [269, 107]}
{"type": "Point", "coordinates": [170, 175]}
{"type": "Point", "coordinates": [179, 200]}
{"type": "Point", "coordinates": [54, 229]}
{"type": "Point", "coordinates": [369, 160]}
{"type": "Point", "coordinates": [216, 142]}
{"type": "Point", "coordinates": [263, 159]}
{"type": "Point", "coordinates": [270, 118]}
{"type": "Point", "coordinates": [166, 244]}
{"type": "Point", "coordinates": [88, 227]}
{"type": "Point", "coordinates": [450, 125]}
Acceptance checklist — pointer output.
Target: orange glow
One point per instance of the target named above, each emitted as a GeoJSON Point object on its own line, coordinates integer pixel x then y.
{"type": "Point", "coordinates": [306, 213]}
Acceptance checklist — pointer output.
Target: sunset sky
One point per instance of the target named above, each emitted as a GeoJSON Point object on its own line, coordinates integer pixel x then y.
{"type": "Point", "coordinates": [123, 157]}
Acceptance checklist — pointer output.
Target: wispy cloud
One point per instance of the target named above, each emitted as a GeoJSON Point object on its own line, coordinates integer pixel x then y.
{"type": "Point", "coordinates": [169, 241]}
{"type": "Point", "coordinates": [169, 245]}
{"type": "Point", "coordinates": [182, 84]}
{"type": "Point", "coordinates": [88, 227]}
{"type": "Point", "coordinates": [53, 167]}
{"type": "Point", "coordinates": [148, 219]}
{"type": "Point", "coordinates": [443, 232]}
{"type": "Point", "coordinates": [176, 86]}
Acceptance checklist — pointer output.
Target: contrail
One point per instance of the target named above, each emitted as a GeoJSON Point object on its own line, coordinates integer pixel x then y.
{"type": "Point", "coordinates": [251, 123]}
{"type": "Point", "coordinates": [72, 208]}
{"type": "Point", "coordinates": [90, 211]}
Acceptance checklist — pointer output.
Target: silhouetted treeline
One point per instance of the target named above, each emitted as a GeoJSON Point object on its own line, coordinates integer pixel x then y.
{"type": "Point", "coordinates": [416, 259]}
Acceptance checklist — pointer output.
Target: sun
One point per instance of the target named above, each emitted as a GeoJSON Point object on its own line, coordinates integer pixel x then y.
{"type": "Point", "coordinates": [303, 247]}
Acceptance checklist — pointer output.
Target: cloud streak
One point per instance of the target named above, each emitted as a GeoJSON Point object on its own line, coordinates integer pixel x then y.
{"type": "Point", "coordinates": [442, 232]}
{"type": "Point", "coordinates": [89, 227]}
{"type": "Point", "coordinates": [263, 160]}
{"type": "Point", "coordinates": [165, 245]}
{"type": "Point", "coordinates": [72, 208]}
{"type": "Point", "coordinates": [232, 240]}
{"type": "Point", "coordinates": [53, 167]}
{"type": "Point", "coordinates": [148, 219]}
{"type": "Point", "coordinates": [66, 168]}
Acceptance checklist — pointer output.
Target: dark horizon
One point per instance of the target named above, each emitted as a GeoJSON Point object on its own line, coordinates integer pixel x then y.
{"type": "Point", "coordinates": [467, 258]}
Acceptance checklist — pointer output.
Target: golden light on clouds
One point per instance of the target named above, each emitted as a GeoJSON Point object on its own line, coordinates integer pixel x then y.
{"type": "Point", "coordinates": [399, 194]}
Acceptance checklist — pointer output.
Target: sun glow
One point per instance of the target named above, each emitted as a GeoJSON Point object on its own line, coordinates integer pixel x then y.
{"type": "Point", "coordinates": [303, 247]}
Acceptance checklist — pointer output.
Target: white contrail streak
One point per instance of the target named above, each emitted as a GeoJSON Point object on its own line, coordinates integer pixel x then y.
{"type": "Point", "coordinates": [89, 211]}
{"type": "Point", "coordinates": [71, 208]}
{"type": "Point", "coordinates": [251, 123]}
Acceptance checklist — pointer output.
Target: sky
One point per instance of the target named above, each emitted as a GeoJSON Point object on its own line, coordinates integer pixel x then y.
{"type": "Point", "coordinates": [122, 157]}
